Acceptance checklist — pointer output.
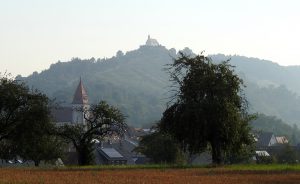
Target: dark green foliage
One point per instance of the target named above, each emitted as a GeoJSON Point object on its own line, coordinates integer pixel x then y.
{"type": "Point", "coordinates": [25, 124]}
{"type": "Point", "coordinates": [34, 136]}
{"type": "Point", "coordinates": [8, 149]}
{"type": "Point", "coordinates": [14, 98]}
{"type": "Point", "coordinates": [288, 155]}
{"type": "Point", "coordinates": [40, 147]}
{"type": "Point", "coordinates": [243, 154]}
{"type": "Point", "coordinates": [160, 148]}
{"type": "Point", "coordinates": [209, 109]}
{"type": "Point", "coordinates": [102, 120]}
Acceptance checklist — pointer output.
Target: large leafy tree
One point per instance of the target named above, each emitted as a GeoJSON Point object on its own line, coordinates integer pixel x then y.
{"type": "Point", "coordinates": [102, 120]}
{"type": "Point", "coordinates": [13, 103]}
{"type": "Point", "coordinates": [209, 110]}
{"type": "Point", "coordinates": [25, 126]}
{"type": "Point", "coordinates": [35, 136]}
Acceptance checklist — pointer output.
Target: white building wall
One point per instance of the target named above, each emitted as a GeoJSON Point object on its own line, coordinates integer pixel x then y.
{"type": "Point", "coordinates": [273, 141]}
{"type": "Point", "coordinates": [78, 113]}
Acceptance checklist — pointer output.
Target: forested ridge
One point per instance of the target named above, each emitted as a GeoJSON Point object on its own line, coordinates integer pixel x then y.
{"type": "Point", "coordinates": [137, 83]}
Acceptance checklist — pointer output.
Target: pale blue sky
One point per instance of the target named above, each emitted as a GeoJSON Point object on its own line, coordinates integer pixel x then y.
{"type": "Point", "coordinates": [37, 33]}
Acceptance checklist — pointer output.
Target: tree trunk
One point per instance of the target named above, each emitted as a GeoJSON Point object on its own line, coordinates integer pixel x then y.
{"type": "Point", "coordinates": [36, 163]}
{"type": "Point", "coordinates": [82, 158]}
{"type": "Point", "coordinates": [85, 155]}
{"type": "Point", "coordinates": [216, 152]}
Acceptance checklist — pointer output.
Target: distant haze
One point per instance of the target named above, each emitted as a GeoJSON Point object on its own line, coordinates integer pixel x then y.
{"type": "Point", "coordinates": [37, 33]}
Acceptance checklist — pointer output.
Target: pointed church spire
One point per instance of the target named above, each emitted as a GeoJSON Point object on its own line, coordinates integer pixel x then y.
{"type": "Point", "coordinates": [80, 96]}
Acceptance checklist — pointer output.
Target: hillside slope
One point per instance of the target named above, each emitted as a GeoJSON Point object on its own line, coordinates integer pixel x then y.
{"type": "Point", "coordinates": [137, 83]}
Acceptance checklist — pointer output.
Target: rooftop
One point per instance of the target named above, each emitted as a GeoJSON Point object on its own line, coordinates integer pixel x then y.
{"type": "Point", "coordinates": [80, 96]}
{"type": "Point", "coordinates": [111, 153]}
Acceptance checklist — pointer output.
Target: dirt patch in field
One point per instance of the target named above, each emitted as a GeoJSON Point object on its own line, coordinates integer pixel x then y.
{"type": "Point", "coordinates": [138, 176]}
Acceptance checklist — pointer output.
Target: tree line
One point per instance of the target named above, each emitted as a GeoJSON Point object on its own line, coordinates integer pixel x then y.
{"type": "Point", "coordinates": [28, 131]}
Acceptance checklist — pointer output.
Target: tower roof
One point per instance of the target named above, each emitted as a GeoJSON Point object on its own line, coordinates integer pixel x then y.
{"type": "Point", "coordinates": [80, 96]}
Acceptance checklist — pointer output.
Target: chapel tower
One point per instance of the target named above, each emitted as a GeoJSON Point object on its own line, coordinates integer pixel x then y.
{"type": "Point", "coordinates": [80, 104]}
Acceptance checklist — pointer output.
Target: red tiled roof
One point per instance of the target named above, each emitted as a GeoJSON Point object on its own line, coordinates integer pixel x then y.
{"type": "Point", "coordinates": [80, 96]}
{"type": "Point", "coordinates": [282, 140]}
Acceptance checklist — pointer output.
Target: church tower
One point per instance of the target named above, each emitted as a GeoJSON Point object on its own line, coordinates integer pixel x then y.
{"type": "Point", "coordinates": [79, 104]}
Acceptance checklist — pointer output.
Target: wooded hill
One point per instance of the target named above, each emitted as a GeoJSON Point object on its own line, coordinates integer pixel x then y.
{"type": "Point", "coordinates": [137, 83]}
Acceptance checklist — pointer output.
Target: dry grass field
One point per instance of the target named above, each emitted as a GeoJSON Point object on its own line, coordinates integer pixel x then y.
{"type": "Point", "coordinates": [140, 176]}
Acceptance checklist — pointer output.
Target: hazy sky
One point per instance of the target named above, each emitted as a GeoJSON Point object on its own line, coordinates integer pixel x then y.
{"type": "Point", "coordinates": [37, 33]}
